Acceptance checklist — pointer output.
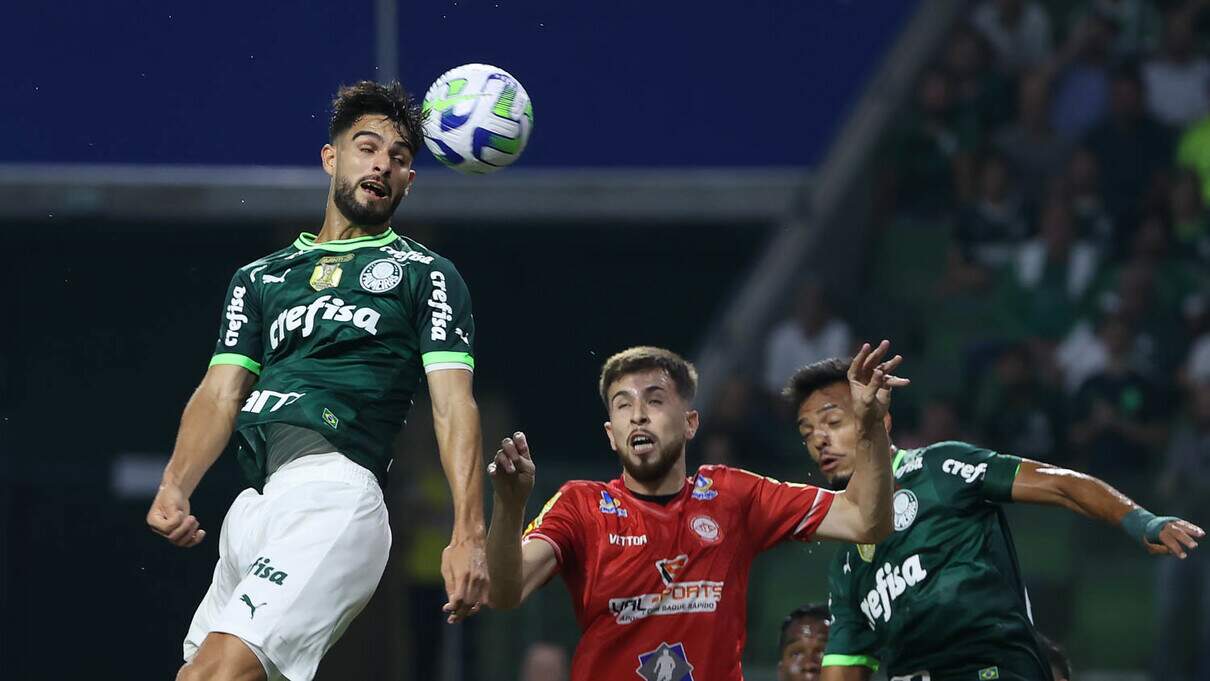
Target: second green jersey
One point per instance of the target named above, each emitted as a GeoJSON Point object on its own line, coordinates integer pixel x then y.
{"type": "Point", "coordinates": [942, 597]}
{"type": "Point", "coordinates": [340, 334]}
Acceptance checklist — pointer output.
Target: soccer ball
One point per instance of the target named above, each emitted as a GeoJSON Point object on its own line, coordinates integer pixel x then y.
{"type": "Point", "coordinates": [477, 118]}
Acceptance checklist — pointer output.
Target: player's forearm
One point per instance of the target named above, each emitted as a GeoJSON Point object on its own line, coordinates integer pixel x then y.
{"type": "Point", "coordinates": [872, 484]}
{"type": "Point", "coordinates": [460, 441]}
{"type": "Point", "coordinates": [206, 426]}
{"type": "Point", "coordinates": [1078, 492]}
{"type": "Point", "coordinates": [504, 563]}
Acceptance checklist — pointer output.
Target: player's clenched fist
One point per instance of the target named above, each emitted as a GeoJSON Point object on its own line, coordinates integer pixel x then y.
{"type": "Point", "coordinates": [169, 517]}
{"type": "Point", "coordinates": [512, 470]}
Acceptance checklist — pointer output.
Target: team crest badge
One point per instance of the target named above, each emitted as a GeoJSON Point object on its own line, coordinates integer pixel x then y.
{"type": "Point", "coordinates": [904, 505]}
{"type": "Point", "coordinates": [866, 551]}
{"type": "Point", "coordinates": [701, 488]}
{"type": "Point", "coordinates": [706, 528]}
{"type": "Point", "coordinates": [381, 275]}
{"type": "Point", "coordinates": [668, 662]}
{"type": "Point", "coordinates": [327, 272]}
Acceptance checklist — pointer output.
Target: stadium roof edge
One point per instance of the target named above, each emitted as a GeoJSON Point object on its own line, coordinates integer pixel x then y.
{"type": "Point", "coordinates": [238, 194]}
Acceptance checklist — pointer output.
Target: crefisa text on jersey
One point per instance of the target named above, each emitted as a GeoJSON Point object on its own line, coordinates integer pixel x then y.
{"type": "Point", "coordinates": [303, 316]}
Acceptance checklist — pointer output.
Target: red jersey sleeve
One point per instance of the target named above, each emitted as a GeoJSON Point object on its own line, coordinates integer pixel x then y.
{"type": "Point", "coordinates": [778, 511]}
{"type": "Point", "coordinates": [559, 524]}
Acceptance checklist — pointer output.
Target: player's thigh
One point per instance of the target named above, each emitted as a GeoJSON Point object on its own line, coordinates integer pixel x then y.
{"type": "Point", "coordinates": [223, 657]}
{"type": "Point", "coordinates": [228, 570]}
{"type": "Point", "coordinates": [325, 551]}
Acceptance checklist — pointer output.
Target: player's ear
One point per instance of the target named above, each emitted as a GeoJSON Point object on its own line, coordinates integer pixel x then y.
{"type": "Point", "coordinates": [692, 421]}
{"type": "Point", "coordinates": [609, 434]}
{"type": "Point", "coordinates": [327, 157]}
{"type": "Point", "coordinates": [407, 188]}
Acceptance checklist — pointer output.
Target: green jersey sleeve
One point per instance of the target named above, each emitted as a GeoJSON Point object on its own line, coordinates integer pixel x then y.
{"type": "Point", "coordinates": [239, 334]}
{"type": "Point", "coordinates": [444, 321]}
{"type": "Point", "coordinates": [974, 474]}
{"type": "Point", "coordinates": [851, 641]}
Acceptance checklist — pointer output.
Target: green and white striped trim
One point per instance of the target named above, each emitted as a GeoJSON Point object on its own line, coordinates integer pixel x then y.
{"type": "Point", "coordinates": [238, 360]}
{"type": "Point", "coordinates": [849, 661]}
{"type": "Point", "coordinates": [439, 361]}
{"type": "Point", "coordinates": [306, 242]}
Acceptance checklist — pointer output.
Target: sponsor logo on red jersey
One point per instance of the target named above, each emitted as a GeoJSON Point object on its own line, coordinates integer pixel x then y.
{"type": "Point", "coordinates": [611, 506]}
{"type": "Point", "coordinates": [701, 488]}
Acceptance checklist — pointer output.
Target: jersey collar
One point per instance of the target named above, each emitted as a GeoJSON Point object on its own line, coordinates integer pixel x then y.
{"type": "Point", "coordinates": [306, 242]}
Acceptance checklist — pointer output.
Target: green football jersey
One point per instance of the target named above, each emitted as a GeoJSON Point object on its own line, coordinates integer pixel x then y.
{"type": "Point", "coordinates": [340, 334]}
{"type": "Point", "coordinates": [942, 597]}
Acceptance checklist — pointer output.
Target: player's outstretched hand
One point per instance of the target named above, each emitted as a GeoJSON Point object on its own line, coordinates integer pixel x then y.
{"type": "Point", "coordinates": [512, 471]}
{"type": "Point", "coordinates": [871, 381]}
{"type": "Point", "coordinates": [169, 517]}
{"type": "Point", "coordinates": [464, 569]}
{"type": "Point", "coordinates": [1177, 538]}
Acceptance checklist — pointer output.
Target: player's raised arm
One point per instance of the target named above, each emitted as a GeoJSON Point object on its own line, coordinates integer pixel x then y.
{"type": "Point", "coordinates": [456, 420]}
{"type": "Point", "coordinates": [516, 569]}
{"type": "Point", "coordinates": [1040, 483]}
{"type": "Point", "coordinates": [206, 427]}
{"type": "Point", "coordinates": [862, 513]}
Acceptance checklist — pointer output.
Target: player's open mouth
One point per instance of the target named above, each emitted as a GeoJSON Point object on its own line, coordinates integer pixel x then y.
{"type": "Point", "coordinates": [374, 189]}
{"type": "Point", "coordinates": [828, 462]}
{"type": "Point", "coordinates": [642, 443]}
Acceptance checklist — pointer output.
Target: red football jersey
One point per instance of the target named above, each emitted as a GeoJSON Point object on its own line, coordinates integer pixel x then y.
{"type": "Point", "coordinates": [660, 591]}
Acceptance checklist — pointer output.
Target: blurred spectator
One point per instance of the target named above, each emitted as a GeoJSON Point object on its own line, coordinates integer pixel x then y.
{"type": "Point", "coordinates": [1053, 272]}
{"type": "Point", "coordinates": [1016, 414]}
{"type": "Point", "coordinates": [804, 635]}
{"type": "Point", "coordinates": [1189, 220]}
{"type": "Point", "coordinates": [938, 422]}
{"type": "Point", "coordinates": [1185, 488]}
{"type": "Point", "coordinates": [812, 334]}
{"type": "Point", "coordinates": [544, 662]}
{"type": "Point", "coordinates": [1197, 366]}
{"type": "Point", "coordinates": [931, 150]}
{"type": "Point", "coordinates": [989, 229]}
{"type": "Point", "coordinates": [1193, 153]}
{"type": "Point", "coordinates": [1081, 73]}
{"type": "Point", "coordinates": [1178, 79]}
{"type": "Point", "coordinates": [1117, 423]}
{"type": "Point", "coordinates": [1031, 145]}
{"type": "Point", "coordinates": [981, 93]}
{"type": "Point", "coordinates": [1139, 24]}
{"type": "Point", "coordinates": [1130, 146]}
{"type": "Point", "coordinates": [735, 433]}
{"type": "Point", "coordinates": [1081, 184]}
{"type": "Point", "coordinates": [1018, 30]}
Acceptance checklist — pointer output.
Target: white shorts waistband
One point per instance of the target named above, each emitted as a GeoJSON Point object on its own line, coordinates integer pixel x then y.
{"type": "Point", "coordinates": [331, 467]}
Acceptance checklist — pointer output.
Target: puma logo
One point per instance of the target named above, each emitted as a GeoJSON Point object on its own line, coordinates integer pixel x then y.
{"type": "Point", "coordinates": [248, 602]}
{"type": "Point", "coordinates": [270, 279]}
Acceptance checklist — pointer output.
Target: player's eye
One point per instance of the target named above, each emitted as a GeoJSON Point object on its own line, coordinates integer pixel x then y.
{"type": "Point", "coordinates": [398, 159]}
{"type": "Point", "coordinates": [656, 402]}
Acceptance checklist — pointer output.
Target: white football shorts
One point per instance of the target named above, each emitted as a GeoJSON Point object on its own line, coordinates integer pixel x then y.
{"type": "Point", "coordinates": [296, 564]}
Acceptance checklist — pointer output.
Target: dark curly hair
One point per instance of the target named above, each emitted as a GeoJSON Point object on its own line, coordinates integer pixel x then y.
{"type": "Point", "coordinates": [390, 100]}
{"type": "Point", "coordinates": [815, 376]}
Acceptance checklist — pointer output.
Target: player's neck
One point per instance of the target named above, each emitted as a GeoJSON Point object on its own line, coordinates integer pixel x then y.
{"type": "Point", "coordinates": [671, 483]}
{"type": "Point", "coordinates": [337, 227]}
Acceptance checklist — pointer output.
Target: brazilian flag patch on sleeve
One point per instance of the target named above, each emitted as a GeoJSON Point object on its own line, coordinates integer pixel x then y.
{"type": "Point", "coordinates": [989, 674]}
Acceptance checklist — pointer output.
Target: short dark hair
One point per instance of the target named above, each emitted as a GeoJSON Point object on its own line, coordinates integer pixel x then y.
{"type": "Point", "coordinates": [645, 358]}
{"type": "Point", "coordinates": [1055, 655]}
{"type": "Point", "coordinates": [810, 611]}
{"type": "Point", "coordinates": [390, 100]}
{"type": "Point", "coordinates": [814, 376]}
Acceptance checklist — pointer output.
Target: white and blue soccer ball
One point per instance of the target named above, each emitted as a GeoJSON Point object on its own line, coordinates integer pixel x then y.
{"type": "Point", "coordinates": [477, 118]}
